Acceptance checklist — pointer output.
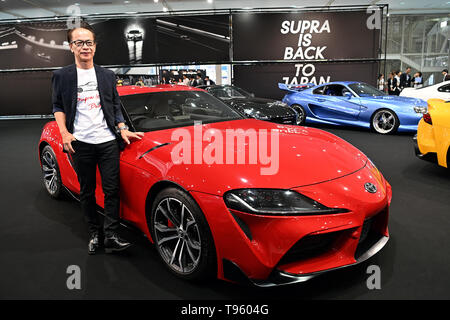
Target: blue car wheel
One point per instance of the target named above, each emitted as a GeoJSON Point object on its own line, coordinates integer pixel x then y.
{"type": "Point", "coordinates": [385, 121]}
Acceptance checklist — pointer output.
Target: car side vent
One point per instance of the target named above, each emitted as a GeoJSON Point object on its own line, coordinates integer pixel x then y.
{"type": "Point", "coordinates": [244, 227]}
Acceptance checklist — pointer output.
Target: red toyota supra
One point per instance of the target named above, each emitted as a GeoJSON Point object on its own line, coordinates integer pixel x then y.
{"type": "Point", "coordinates": [239, 199]}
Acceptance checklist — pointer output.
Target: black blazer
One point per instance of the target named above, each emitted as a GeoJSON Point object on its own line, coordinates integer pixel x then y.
{"type": "Point", "coordinates": [405, 80]}
{"type": "Point", "coordinates": [64, 97]}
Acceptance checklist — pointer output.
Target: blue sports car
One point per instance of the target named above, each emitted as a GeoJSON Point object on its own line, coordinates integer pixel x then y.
{"type": "Point", "coordinates": [354, 103]}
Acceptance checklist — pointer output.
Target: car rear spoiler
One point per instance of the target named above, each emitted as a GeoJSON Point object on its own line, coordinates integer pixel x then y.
{"type": "Point", "coordinates": [295, 87]}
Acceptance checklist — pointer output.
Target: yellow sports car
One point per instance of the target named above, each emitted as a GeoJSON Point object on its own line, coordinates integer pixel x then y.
{"type": "Point", "coordinates": [432, 140]}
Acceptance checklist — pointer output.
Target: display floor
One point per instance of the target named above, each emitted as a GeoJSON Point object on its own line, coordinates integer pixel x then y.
{"type": "Point", "coordinates": [41, 237]}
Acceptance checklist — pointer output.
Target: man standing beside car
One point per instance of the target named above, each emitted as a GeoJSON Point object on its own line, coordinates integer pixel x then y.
{"type": "Point", "coordinates": [405, 79]}
{"type": "Point", "coordinates": [87, 110]}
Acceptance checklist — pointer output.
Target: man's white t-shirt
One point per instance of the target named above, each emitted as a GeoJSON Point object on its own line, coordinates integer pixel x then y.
{"type": "Point", "coordinates": [90, 123]}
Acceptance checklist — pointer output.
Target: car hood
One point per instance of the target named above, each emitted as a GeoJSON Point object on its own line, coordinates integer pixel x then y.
{"type": "Point", "coordinates": [305, 156]}
{"type": "Point", "coordinates": [257, 107]}
{"type": "Point", "coordinates": [397, 100]}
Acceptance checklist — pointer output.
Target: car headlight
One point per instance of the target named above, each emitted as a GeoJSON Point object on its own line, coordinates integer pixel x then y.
{"type": "Point", "coordinates": [421, 109]}
{"type": "Point", "coordinates": [275, 202]}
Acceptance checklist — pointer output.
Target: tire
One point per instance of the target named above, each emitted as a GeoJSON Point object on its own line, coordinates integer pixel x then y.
{"type": "Point", "coordinates": [384, 121]}
{"type": "Point", "coordinates": [51, 176]}
{"type": "Point", "coordinates": [182, 236]}
{"type": "Point", "coordinates": [301, 114]}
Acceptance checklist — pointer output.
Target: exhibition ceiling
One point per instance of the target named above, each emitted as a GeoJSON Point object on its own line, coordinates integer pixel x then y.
{"type": "Point", "coordinates": [10, 9]}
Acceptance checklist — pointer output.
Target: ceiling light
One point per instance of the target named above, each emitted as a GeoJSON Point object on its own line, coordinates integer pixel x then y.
{"type": "Point", "coordinates": [209, 1]}
{"type": "Point", "coordinates": [155, 1]}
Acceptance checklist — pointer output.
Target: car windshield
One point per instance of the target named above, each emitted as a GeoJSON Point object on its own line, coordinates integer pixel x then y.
{"type": "Point", "coordinates": [173, 109]}
{"type": "Point", "coordinates": [228, 92]}
{"type": "Point", "coordinates": [365, 90]}
{"type": "Point", "coordinates": [134, 31]}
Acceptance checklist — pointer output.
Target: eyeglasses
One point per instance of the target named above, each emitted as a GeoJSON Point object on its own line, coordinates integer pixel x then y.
{"type": "Point", "coordinates": [81, 43]}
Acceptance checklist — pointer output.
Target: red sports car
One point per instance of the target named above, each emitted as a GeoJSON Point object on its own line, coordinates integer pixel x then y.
{"type": "Point", "coordinates": [323, 205]}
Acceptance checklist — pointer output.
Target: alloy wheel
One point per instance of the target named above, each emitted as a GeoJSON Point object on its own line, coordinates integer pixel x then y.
{"type": "Point", "coordinates": [301, 114]}
{"type": "Point", "coordinates": [177, 235]}
{"type": "Point", "coordinates": [50, 172]}
{"type": "Point", "coordinates": [384, 122]}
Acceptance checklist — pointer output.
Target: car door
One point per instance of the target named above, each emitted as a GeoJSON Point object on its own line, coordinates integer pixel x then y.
{"type": "Point", "coordinates": [329, 103]}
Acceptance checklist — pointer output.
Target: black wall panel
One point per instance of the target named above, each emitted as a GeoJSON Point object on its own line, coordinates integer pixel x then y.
{"type": "Point", "coordinates": [197, 39]}
{"type": "Point", "coordinates": [319, 35]}
{"type": "Point", "coordinates": [25, 93]}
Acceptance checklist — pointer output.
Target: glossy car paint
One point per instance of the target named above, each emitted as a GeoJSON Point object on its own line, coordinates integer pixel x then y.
{"type": "Point", "coordinates": [357, 111]}
{"type": "Point", "coordinates": [437, 91]}
{"type": "Point", "coordinates": [311, 161]}
{"type": "Point", "coordinates": [433, 140]}
{"type": "Point", "coordinates": [259, 108]}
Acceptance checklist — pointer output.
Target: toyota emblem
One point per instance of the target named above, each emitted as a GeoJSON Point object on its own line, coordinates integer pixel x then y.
{"type": "Point", "coordinates": [370, 187]}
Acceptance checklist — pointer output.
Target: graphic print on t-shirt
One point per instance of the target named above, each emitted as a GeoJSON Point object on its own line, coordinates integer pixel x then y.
{"type": "Point", "coordinates": [89, 86]}
{"type": "Point", "coordinates": [88, 95]}
{"type": "Point", "coordinates": [90, 123]}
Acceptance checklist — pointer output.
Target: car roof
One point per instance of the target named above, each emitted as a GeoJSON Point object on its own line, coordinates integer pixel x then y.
{"type": "Point", "coordinates": [129, 90]}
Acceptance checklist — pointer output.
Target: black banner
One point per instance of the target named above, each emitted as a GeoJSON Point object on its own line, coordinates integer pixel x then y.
{"type": "Point", "coordinates": [193, 39]}
{"type": "Point", "coordinates": [129, 41]}
{"type": "Point", "coordinates": [177, 39]}
{"type": "Point", "coordinates": [304, 36]}
{"type": "Point", "coordinates": [262, 80]}
{"type": "Point", "coordinates": [34, 45]}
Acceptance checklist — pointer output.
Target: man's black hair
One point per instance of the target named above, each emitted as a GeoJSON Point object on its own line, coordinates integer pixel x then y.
{"type": "Point", "coordinates": [83, 25]}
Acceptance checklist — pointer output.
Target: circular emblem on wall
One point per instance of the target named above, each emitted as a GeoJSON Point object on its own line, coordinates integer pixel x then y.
{"type": "Point", "coordinates": [370, 187]}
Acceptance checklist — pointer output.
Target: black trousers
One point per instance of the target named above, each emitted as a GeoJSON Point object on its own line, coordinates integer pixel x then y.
{"type": "Point", "coordinates": [86, 159]}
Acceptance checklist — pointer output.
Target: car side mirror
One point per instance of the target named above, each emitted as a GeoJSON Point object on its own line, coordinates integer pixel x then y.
{"type": "Point", "coordinates": [252, 95]}
{"type": "Point", "coordinates": [348, 95]}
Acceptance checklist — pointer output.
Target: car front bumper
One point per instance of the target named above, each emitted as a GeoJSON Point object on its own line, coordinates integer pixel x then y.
{"type": "Point", "coordinates": [429, 156]}
{"type": "Point", "coordinates": [277, 250]}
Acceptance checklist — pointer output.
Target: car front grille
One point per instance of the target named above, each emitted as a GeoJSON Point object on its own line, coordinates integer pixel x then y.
{"type": "Point", "coordinates": [310, 247]}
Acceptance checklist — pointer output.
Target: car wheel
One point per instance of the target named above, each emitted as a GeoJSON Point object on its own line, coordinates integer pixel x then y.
{"type": "Point", "coordinates": [182, 235]}
{"type": "Point", "coordinates": [51, 176]}
{"type": "Point", "coordinates": [385, 121]}
{"type": "Point", "coordinates": [301, 114]}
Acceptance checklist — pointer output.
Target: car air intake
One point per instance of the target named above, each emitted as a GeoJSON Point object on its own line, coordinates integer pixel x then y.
{"type": "Point", "coordinates": [310, 247]}
{"type": "Point", "coordinates": [369, 236]}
